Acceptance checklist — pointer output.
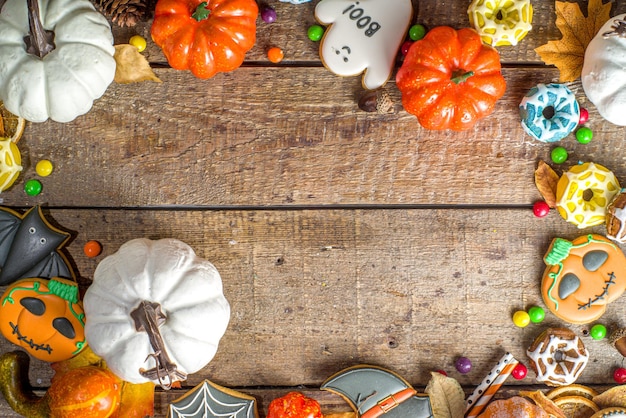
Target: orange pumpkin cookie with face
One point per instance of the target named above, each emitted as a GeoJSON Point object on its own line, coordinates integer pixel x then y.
{"type": "Point", "coordinates": [44, 317]}
{"type": "Point", "coordinates": [582, 277]}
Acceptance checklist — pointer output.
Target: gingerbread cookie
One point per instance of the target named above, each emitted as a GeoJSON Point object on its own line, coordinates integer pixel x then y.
{"type": "Point", "coordinates": [616, 218]}
{"type": "Point", "coordinates": [582, 277]}
{"type": "Point", "coordinates": [557, 356]}
{"type": "Point", "coordinates": [364, 36]}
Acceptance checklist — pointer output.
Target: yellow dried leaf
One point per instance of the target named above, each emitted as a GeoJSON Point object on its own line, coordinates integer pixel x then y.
{"type": "Point", "coordinates": [132, 66]}
{"type": "Point", "coordinates": [546, 180]}
{"type": "Point", "coordinates": [542, 401]}
{"type": "Point", "coordinates": [137, 401]}
{"type": "Point", "coordinates": [568, 53]}
{"type": "Point", "coordinates": [616, 396]}
{"type": "Point", "coordinates": [447, 398]}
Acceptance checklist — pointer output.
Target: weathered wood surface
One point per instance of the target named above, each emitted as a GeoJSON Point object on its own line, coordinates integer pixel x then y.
{"type": "Point", "coordinates": [342, 237]}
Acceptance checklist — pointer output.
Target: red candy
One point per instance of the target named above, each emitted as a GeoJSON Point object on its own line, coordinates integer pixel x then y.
{"type": "Point", "coordinates": [519, 372]}
{"type": "Point", "coordinates": [619, 375]}
{"type": "Point", "coordinates": [541, 209]}
{"type": "Point", "coordinates": [405, 47]}
{"type": "Point", "coordinates": [584, 116]}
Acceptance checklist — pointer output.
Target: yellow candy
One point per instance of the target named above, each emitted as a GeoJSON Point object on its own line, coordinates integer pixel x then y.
{"type": "Point", "coordinates": [139, 42]}
{"type": "Point", "coordinates": [10, 163]}
{"type": "Point", "coordinates": [521, 319]}
{"type": "Point", "coordinates": [501, 22]}
{"type": "Point", "coordinates": [44, 168]}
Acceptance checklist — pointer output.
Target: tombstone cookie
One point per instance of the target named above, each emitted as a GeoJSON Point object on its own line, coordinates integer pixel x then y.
{"type": "Point", "coordinates": [364, 36]}
{"type": "Point", "coordinates": [582, 277]}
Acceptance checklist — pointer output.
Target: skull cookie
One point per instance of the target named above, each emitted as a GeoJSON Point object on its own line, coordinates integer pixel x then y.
{"type": "Point", "coordinates": [364, 35]}
{"type": "Point", "coordinates": [582, 277]}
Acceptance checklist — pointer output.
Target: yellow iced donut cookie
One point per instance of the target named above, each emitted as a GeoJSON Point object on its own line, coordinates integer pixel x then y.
{"type": "Point", "coordinates": [501, 22]}
{"type": "Point", "coordinates": [584, 192]}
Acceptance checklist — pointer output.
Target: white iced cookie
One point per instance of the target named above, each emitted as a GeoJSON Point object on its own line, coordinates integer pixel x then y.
{"type": "Point", "coordinates": [604, 71]}
{"type": "Point", "coordinates": [364, 36]}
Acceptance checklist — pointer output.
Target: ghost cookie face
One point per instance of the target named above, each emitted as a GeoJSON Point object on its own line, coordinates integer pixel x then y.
{"type": "Point", "coordinates": [364, 36]}
{"type": "Point", "coordinates": [582, 277]}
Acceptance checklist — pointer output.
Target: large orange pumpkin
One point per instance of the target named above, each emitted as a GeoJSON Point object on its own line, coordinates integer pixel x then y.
{"type": "Point", "coordinates": [205, 37]}
{"type": "Point", "coordinates": [450, 79]}
{"type": "Point", "coordinates": [515, 407]}
{"type": "Point", "coordinates": [44, 317]}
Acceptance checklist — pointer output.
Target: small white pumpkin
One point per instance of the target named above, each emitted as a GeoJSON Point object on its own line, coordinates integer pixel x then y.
{"type": "Point", "coordinates": [63, 83]}
{"type": "Point", "coordinates": [166, 278]}
{"type": "Point", "coordinates": [604, 71]}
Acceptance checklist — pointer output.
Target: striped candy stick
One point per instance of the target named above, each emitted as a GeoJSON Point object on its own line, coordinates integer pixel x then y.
{"type": "Point", "coordinates": [491, 390]}
{"type": "Point", "coordinates": [488, 380]}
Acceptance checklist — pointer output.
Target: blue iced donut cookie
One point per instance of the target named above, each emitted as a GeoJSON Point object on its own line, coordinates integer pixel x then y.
{"type": "Point", "coordinates": [549, 112]}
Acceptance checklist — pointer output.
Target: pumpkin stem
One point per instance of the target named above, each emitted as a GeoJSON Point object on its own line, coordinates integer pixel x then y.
{"type": "Point", "coordinates": [65, 290]}
{"type": "Point", "coordinates": [148, 316]}
{"type": "Point", "coordinates": [15, 388]}
{"type": "Point", "coordinates": [201, 12]}
{"type": "Point", "coordinates": [461, 76]}
{"type": "Point", "coordinates": [39, 41]}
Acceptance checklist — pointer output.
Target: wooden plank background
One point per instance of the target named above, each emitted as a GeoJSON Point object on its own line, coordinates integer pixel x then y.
{"type": "Point", "coordinates": [342, 237]}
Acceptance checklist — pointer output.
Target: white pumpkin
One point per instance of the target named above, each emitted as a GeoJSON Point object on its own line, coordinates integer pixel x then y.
{"type": "Point", "coordinates": [604, 71]}
{"type": "Point", "coordinates": [187, 290]}
{"type": "Point", "coordinates": [64, 83]}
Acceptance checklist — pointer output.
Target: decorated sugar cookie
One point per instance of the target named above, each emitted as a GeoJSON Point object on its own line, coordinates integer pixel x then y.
{"type": "Point", "coordinates": [582, 277]}
{"type": "Point", "coordinates": [558, 356]}
{"type": "Point", "coordinates": [364, 36]}
{"type": "Point", "coordinates": [584, 192]}
{"type": "Point", "coordinates": [501, 22]}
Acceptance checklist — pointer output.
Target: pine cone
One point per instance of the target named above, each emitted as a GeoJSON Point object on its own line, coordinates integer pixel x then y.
{"type": "Point", "coordinates": [123, 12]}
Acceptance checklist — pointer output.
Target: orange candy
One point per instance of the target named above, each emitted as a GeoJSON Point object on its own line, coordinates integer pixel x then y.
{"type": "Point", "coordinates": [92, 249]}
{"type": "Point", "coordinates": [275, 54]}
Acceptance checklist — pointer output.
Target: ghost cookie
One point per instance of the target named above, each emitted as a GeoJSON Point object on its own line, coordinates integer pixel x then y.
{"type": "Point", "coordinates": [364, 36]}
{"type": "Point", "coordinates": [582, 277]}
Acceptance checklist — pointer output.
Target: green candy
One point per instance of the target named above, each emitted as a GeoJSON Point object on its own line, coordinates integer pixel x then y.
{"type": "Point", "coordinates": [315, 32]}
{"type": "Point", "coordinates": [584, 135]}
{"type": "Point", "coordinates": [32, 187]}
{"type": "Point", "coordinates": [417, 32]}
{"type": "Point", "coordinates": [537, 314]}
{"type": "Point", "coordinates": [559, 155]}
{"type": "Point", "coordinates": [597, 332]}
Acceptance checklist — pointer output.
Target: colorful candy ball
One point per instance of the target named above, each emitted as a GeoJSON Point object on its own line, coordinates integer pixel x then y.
{"type": "Point", "coordinates": [537, 314]}
{"type": "Point", "coordinates": [584, 135]}
{"type": "Point", "coordinates": [519, 372]}
{"type": "Point", "coordinates": [541, 209]}
{"type": "Point", "coordinates": [275, 55]}
{"type": "Point", "coordinates": [32, 187]}
{"type": "Point", "coordinates": [92, 248]}
{"type": "Point", "coordinates": [598, 332]}
{"type": "Point", "coordinates": [44, 168]}
{"type": "Point", "coordinates": [315, 32]}
{"type": "Point", "coordinates": [138, 42]}
{"type": "Point", "coordinates": [619, 375]}
{"type": "Point", "coordinates": [521, 319]}
{"type": "Point", "coordinates": [463, 365]}
{"type": "Point", "coordinates": [559, 155]}
{"type": "Point", "coordinates": [417, 32]}
{"type": "Point", "coordinates": [268, 14]}
{"type": "Point", "coordinates": [584, 116]}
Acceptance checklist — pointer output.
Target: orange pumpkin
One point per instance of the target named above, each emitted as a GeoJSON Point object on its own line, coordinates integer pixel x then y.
{"type": "Point", "coordinates": [44, 317]}
{"type": "Point", "coordinates": [450, 79]}
{"type": "Point", "coordinates": [88, 391]}
{"type": "Point", "coordinates": [515, 407]}
{"type": "Point", "coordinates": [205, 37]}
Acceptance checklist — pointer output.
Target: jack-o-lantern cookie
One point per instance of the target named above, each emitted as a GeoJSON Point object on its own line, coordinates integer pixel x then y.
{"type": "Point", "coordinates": [582, 277]}
{"type": "Point", "coordinates": [364, 36]}
{"type": "Point", "coordinates": [557, 356]}
{"type": "Point", "coordinates": [44, 317]}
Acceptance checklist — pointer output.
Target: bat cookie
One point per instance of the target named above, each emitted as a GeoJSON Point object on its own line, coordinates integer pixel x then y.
{"type": "Point", "coordinates": [30, 247]}
{"type": "Point", "coordinates": [364, 36]}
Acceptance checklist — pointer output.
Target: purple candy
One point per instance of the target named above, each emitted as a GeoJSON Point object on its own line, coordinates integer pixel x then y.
{"type": "Point", "coordinates": [268, 14]}
{"type": "Point", "coordinates": [463, 365]}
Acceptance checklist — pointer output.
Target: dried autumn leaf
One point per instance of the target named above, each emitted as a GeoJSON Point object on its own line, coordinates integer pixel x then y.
{"type": "Point", "coordinates": [616, 396]}
{"type": "Point", "coordinates": [137, 401]}
{"type": "Point", "coordinates": [85, 358]}
{"type": "Point", "coordinates": [568, 53]}
{"type": "Point", "coordinates": [546, 180]}
{"type": "Point", "coordinates": [542, 401]}
{"type": "Point", "coordinates": [131, 66]}
{"type": "Point", "coordinates": [447, 398]}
